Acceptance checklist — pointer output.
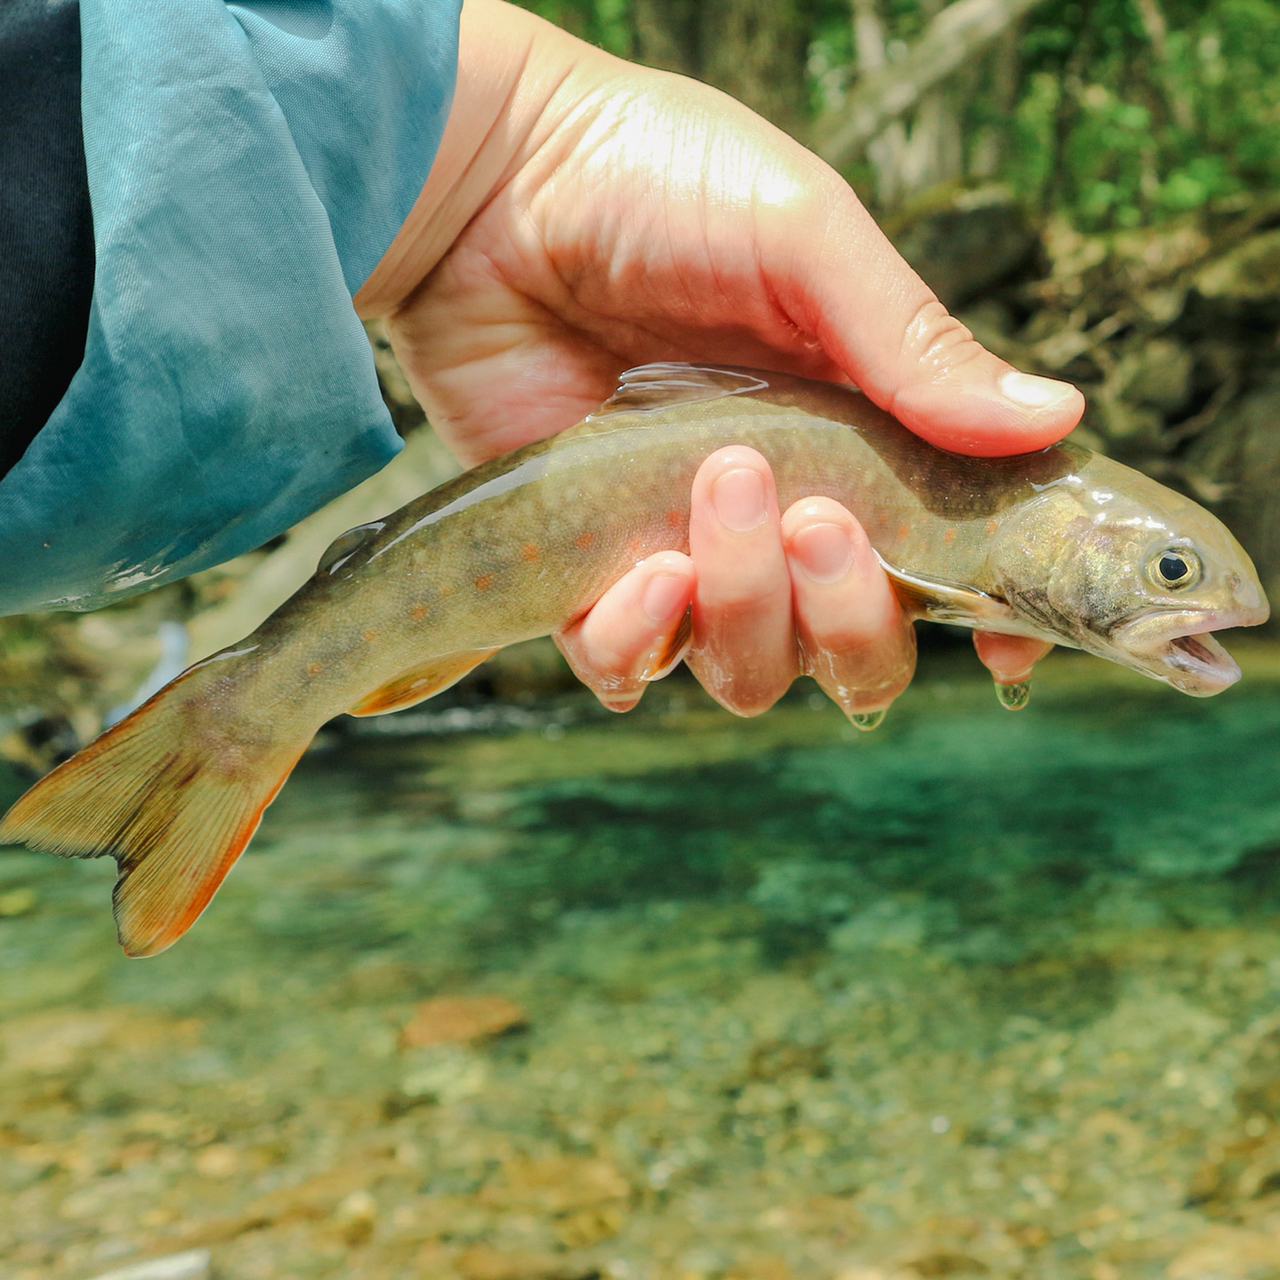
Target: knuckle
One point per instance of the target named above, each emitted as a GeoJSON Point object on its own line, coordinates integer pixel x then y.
{"type": "Point", "coordinates": [800, 199]}
{"type": "Point", "coordinates": [743, 603]}
{"type": "Point", "coordinates": [934, 340]}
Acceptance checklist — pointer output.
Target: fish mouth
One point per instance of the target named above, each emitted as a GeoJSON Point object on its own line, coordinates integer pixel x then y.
{"type": "Point", "coordinates": [1181, 651]}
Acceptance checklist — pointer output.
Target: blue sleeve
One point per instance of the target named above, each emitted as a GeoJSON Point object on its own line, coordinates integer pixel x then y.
{"type": "Point", "coordinates": [248, 166]}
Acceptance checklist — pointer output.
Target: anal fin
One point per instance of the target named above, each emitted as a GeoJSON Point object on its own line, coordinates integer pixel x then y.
{"type": "Point", "coordinates": [420, 683]}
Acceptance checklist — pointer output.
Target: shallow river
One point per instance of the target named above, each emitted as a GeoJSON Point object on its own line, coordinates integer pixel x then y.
{"type": "Point", "coordinates": [553, 995]}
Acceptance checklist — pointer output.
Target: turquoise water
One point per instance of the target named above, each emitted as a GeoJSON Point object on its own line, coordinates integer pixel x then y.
{"type": "Point", "coordinates": [978, 993]}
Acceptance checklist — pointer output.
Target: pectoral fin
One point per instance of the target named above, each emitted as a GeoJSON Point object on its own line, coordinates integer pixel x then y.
{"type": "Point", "coordinates": [934, 600]}
{"type": "Point", "coordinates": [419, 683]}
{"type": "Point", "coordinates": [663, 662]}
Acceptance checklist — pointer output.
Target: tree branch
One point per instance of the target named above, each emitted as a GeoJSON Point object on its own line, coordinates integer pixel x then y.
{"type": "Point", "coordinates": [1153, 23]}
{"type": "Point", "coordinates": [954, 36]}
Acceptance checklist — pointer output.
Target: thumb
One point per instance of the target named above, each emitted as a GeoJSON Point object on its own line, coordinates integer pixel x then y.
{"type": "Point", "coordinates": [885, 328]}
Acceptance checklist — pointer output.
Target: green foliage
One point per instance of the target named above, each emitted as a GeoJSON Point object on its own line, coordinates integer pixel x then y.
{"type": "Point", "coordinates": [602, 22]}
{"type": "Point", "coordinates": [1119, 132]}
{"type": "Point", "coordinates": [1097, 115]}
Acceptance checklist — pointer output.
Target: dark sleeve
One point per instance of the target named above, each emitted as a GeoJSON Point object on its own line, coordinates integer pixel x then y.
{"type": "Point", "coordinates": [46, 231]}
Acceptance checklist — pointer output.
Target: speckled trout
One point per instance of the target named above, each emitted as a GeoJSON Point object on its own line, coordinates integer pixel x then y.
{"type": "Point", "coordinates": [1062, 545]}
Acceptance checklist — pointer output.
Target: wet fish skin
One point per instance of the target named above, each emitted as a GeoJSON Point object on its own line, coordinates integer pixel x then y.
{"type": "Point", "coordinates": [1053, 544]}
{"type": "Point", "coordinates": [1057, 545]}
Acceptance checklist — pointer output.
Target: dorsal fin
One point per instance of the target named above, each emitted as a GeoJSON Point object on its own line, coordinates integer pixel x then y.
{"type": "Point", "coordinates": [658, 386]}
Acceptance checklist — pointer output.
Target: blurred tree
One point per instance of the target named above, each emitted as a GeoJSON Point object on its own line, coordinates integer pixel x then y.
{"type": "Point", "coordinates": [756, 50]}
{"type": "Point", "coordinates": [1118, 113]}
{"type": "Point", "coordinates": [1131, 111]}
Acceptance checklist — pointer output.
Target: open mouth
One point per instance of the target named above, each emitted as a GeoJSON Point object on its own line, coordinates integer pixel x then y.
{"type": "Point", "coordinates": [1199, 665]}
{"type": "Point", "coordinates": [1180, 649]}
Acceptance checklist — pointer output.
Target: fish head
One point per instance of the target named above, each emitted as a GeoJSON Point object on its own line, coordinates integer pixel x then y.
{"type": "Point", "coordinates": [1112, 562]}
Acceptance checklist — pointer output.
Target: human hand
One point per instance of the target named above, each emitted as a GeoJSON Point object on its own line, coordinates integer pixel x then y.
{"type": "Point", "coordinates": [772, 594]}
{"type": "Point", "coordinates": [584, 216]}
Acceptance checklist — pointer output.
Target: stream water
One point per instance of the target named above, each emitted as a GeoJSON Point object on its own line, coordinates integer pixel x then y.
{"type": "Point", "coordinates": [541, 994]}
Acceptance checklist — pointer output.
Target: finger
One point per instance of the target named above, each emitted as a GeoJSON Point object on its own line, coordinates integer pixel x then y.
{"type": "Point", "coordinates": [1010, 660]}
{"type": "Point", "coordinates": [744, 650]}
{"type": "Point", "coordinates": [854, 638]}
{"type": "Point", "coordinates": [635, 633]}
{"type": "Point", "coordinates": [836, 275]}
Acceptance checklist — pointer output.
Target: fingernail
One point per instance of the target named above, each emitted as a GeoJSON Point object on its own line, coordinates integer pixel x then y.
{"type": "Point", "coordinates": [664, 597]}
{"type": "Point", "coordinates": [1013, 697]}
{"type": "Point", "coordinates": [1032, 392]}
{"type": "Point", "coordinates": [867, 720]}
{"type": "Point", "coordinates": [738, 497]}
{"type": "Point", "coordinates": [823, 551]}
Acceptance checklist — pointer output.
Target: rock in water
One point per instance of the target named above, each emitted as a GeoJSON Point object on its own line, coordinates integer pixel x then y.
{"type": "Point", "coordinates": [462, 1020]}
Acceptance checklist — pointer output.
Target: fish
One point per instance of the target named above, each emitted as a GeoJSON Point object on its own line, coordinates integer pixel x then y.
{"type": "Point", "coordinates": [1062, 545]}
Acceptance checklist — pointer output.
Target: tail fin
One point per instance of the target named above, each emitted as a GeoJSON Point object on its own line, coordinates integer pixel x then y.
{"type": "Point", "coordinates": [152, 795]}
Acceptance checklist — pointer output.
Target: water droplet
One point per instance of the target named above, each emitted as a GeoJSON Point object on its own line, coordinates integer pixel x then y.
{"type": "Point", "coordinates": [1013, 697]}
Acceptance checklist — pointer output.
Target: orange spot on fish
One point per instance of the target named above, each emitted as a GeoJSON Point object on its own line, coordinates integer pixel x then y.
{"type": "Point", "coordinates": [584, 543]}
{"type": "Point", "coordinates": [315, 668]}
{"type": "Point", "coordinates": [484, 582]}
{"type": "Point", "coordinates": [529, 552]}
{"type": "Point", "coordinates": [904, 532]}
{"type": "Point", "coordinates": [636, 544]}
{"type": "Point", "coordinates": [950, 536]}
{"type": "Point", "coordinates": [675, 518]}
{"type": "Point", "coordinates": [992, 526]}
{"type": "Point", "coordinates": [370, 635]}
{"type": "Point", "coordinates": [418, 612]}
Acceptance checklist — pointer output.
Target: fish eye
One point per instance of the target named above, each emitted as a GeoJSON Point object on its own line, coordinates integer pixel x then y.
{"type": "Point", "coordinates": [1176, 568]}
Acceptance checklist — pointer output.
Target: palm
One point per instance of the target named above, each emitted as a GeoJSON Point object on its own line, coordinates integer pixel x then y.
{"type": "Point", "coordinates": [626, 245]}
